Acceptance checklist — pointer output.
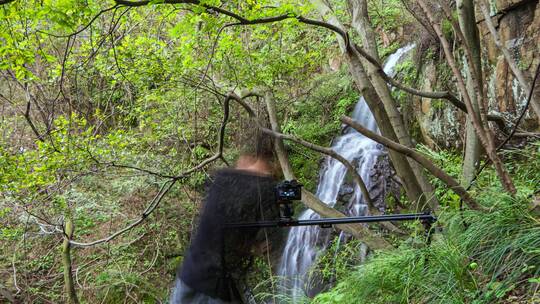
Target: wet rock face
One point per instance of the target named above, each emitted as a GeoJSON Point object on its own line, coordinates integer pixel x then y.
{"type": "Point", "coordinates": [345, 193]}
{"type": "Point", "coordinates": [383, 183]}
{"type": "Point", "coordinates": [518, 24]}
{"type": "Point", "coordinates": [438, 122]}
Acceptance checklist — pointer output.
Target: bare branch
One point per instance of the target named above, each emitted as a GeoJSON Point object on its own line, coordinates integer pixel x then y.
{"type": "Point", "coordinates": [279, 137]}
{"type": "Point", "coordinates": [167, 185]}
{"type": "Point", "coordinates": [146, 2]}
{"type": "Point", "coordinates": [529, 101]}
{"type": "Point", "coordinates": [204, 163]}
{"type": "Point", "coordinates": [419, 17]}
{"type": "Point", "coordinates": [516, 125]}
{"type": "Point", "coordinates": [310, 200]}
{"type": "Point", "coordinates": [432, 95]}
{"type": "Point", "coordinates": [349, 46]}
{"type": "Point", "coordinates": [30, 122]}
{"type": "Point", "coordinates": [327, 151]}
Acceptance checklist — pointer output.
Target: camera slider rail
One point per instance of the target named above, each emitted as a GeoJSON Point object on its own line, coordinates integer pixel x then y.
{"type": "Point", "coordinates": [426, 218]}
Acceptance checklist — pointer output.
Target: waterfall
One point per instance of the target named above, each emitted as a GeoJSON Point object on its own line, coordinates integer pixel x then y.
{"type": "Point", "coordinates": [304, 243]}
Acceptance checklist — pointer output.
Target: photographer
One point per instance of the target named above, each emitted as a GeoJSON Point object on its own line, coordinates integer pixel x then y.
{"type": "Point", "coordinates": [217, 257]}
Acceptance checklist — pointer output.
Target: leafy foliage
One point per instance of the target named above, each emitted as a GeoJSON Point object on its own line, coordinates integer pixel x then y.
{"type": "Point", "coordinates": [114, 94]}
{"type": "Point", "coordinates": [100, 102]}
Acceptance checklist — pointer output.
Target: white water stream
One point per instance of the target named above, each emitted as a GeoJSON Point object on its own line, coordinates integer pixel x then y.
{"type": "Point", "coordinates": [304, 243]}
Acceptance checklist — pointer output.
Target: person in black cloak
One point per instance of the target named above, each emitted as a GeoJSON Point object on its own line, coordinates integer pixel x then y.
{"type": "Point", "coordinates": [216, 259]}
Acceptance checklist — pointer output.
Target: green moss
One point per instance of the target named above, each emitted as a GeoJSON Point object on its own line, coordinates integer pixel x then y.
{"type": "Point", "coordinates": [447, 29]}
{"type": "Point", "coordinates": [414, 130]}
{"type": "Point", "coordinates": [407, 74]}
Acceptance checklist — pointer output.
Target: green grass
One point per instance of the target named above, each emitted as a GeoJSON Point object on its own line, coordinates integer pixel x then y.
{"type": "Point", "coordinates": [486, 260]}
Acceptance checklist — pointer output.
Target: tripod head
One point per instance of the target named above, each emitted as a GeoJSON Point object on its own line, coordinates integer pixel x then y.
{"type": "Point", "coordinates": [286, 192]}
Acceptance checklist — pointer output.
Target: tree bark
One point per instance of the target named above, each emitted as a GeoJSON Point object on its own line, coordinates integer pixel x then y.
{"type": "Point", "coordinates": [480, 125]}
{"type": "Point", "coordinates": [467, 23]}
{"type": "Point", "coordinates": [278, 144]}
{"type": "Point", "coordinates": [69, 285]}
{"type": "Point", "coordinates": [362, 25]}
{"type": "Point", "coordinates": [276, 133]}
{"type": "Point", "coordinates": [326, 151]}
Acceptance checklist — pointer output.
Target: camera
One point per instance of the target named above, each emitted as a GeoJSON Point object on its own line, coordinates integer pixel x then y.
{"type": "Point", "coordinates": [287, 192]}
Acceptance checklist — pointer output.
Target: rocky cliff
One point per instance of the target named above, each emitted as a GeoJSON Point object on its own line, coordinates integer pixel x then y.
{"type": "Point", "coordinates": [518, 24]}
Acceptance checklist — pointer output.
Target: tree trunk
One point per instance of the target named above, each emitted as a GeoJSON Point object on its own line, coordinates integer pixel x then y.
{"type": "Point", "coordinates": [69, 285]}
{"type": "Point", "coordinates": [401, 164]}
{"type": "Point", "coordinates": [480, 125]}
{"type": "Point", "coordinates": [362, 25]}
{"type": "Point", "coordinates": [467, 23]}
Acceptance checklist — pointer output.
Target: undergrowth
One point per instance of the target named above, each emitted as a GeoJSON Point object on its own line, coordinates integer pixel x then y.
{"type": "Point", "coordinates": [476, 257]}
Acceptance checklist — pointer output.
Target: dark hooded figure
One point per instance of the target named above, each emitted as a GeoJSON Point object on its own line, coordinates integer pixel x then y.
{"type": "Point", "coordinates": [217, 257]}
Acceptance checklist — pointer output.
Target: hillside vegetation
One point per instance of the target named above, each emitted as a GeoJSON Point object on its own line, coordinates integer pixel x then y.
{"type": "Point", "coordinates": [115, 113]}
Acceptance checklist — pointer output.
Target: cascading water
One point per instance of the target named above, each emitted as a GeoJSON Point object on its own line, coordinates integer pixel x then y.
{"type": "Point", "coordinates": [301, 248]}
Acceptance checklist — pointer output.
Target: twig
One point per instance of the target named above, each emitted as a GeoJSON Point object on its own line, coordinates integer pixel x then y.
{"type": "Point", "coordinates": [167, 185]}
{"type": "Point", "coordinates": [350, 46]}
{"type": "Point", "coordinates": [153, 261]}
{"type": "Point", "coordinates": [84, 27]}
{"type": "Point", "coordinates": [275, 132]}
{"type": "Point", "coordinates": [29, 120]}
{"type": "Point", "coordinates": [212, 54]}
{"type": "Point", "coordinates": [204, 163]}
{"type": "Point", "coordinates": [115, 55]}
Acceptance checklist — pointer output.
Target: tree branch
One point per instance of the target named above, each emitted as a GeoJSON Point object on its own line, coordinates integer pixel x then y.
{"type": "Point", "coordinates": [287, 169]}
{"type": "Point", "coordinates": [149, 209]}
{"type": "Point", "coordinates": [514, 129]}
{"type": "Point", "coordinates": [345, 36]}
{"type": "Point", "coordinates": [204, 163]}
{"type": "Point", "coordinates": [165, 188]}
{"type": "Point", "coordinates": [310, 200]}
{"type": "Point", "coordinates": [84, 27]}
{"type": "Point", "coordinates": [29, 120]}
{"type": "Point", "coordinates": [422, 160]}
